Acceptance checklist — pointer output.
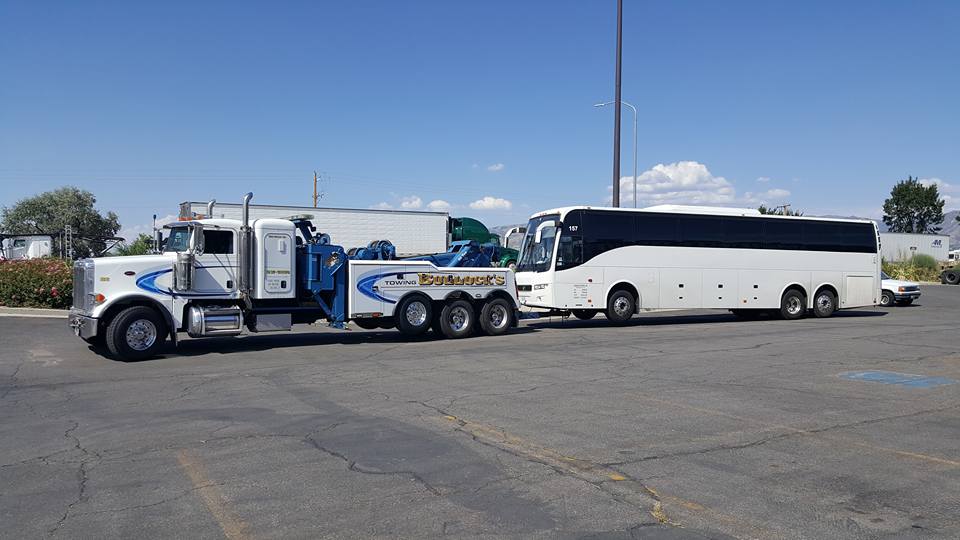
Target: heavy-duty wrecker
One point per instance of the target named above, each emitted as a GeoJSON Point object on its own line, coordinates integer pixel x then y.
{"type": "Point", "coordinates": [221, 277]}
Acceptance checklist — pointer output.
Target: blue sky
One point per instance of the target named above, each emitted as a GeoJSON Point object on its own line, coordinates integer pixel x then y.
{"type": "Point", "coordinates": [820, 104]}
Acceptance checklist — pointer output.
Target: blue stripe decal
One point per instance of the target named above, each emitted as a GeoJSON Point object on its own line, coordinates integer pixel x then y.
{"type": "Point", "coordinates": [148, 282]}
{"type": "Point", "coordinates": [365, 286]}
{"type": "Point", "coordinates": [901, 379]}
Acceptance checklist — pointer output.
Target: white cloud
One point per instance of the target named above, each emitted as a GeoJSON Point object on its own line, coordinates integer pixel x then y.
{"type": "Point", "coordinates": [381, 206]}
{"type": "Point", "coordinates": [131, 233]}
{"type": "Point", "coordinates": [491, 203]}
{"type": "Point", "coordinates": [496, 167]}
{"type": "Point", "coordinates": [763, 179]}
{"type": "Point", "coordinates": [410, 203]}
{"type": "Point", "coordinates": [683, 182]}
{"type": "Point", "coordinates": [439, 205]}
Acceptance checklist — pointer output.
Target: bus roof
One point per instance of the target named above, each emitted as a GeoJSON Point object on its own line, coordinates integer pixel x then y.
{"type": "Point", "coordinates": [698, 210]}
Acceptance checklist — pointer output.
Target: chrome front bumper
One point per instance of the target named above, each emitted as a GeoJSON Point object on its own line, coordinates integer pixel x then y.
{"type": "Point", "coordinates": [82, 325]}
{"type": "Point", "coordinates": [908, 295]}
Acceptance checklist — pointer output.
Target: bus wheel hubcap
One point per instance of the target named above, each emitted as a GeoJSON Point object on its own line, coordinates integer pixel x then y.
{"type": "Point", "coordinates": [459, 318]}
{"type": "Point", "coordinates": [793, 305]}
{"type": "Point", "coordinates": [141, 335]}
{"type": "Point", "coordinates": [824, 303]}
{"type": "Point", "coordinates": [621, 306]}
{"type": "Point", "coordinates": [416, 314]}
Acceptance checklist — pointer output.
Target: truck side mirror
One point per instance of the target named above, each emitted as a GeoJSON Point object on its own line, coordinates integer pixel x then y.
{"type": "Point", "coordinates": [196, 240]}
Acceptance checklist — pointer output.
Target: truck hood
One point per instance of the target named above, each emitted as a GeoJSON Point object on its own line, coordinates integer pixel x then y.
{"type": "Point", "coordinates": [894, 283]}
{"type": "Point", "coordinates": [135, 263]}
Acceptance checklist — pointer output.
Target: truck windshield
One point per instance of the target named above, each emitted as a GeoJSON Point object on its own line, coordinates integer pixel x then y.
{"type": "Point", "coordinates": [538, 256]}
{"type": "Point", "coordinates": [179, 240]}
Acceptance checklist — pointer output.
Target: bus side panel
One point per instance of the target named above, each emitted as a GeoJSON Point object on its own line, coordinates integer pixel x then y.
{"type": "Point", "coordinates": [860, 290]}
{"type": "Point", "coordinates": [753, 290]}
{"type": "Point", "coordinates": [720, 289]}
{"type": "Point", "coordinates": [680, 288]}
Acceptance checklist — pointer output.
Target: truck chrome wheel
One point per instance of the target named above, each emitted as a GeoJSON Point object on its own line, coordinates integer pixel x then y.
{"type": "Point", "coordinates": [459, 318]}
{"type": "Point", "coordinates": [141, 335]}
{"type": "Point", "coordinates": [499, 317]}
{"type": "Point", "coordinates": [416, 313]}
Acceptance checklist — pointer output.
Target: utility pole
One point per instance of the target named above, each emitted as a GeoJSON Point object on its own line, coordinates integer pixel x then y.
{"type": "Point", "coordinates": [616, 112]}
{"type": "Point", "coordinates": [315, 189]}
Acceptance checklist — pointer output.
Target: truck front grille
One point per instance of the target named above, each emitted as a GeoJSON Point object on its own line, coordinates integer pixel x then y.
{"type": "Point", "coordinates": [79, 282]}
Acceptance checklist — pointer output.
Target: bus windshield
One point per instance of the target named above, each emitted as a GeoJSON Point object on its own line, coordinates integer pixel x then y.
{"type": "Point", "coordinates": [537, 256]}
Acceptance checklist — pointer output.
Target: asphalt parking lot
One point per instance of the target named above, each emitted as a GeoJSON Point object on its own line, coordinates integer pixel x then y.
{"type": "Point", "coordinates": [680, 425]}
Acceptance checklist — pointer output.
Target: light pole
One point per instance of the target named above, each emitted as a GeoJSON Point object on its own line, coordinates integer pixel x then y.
{"type": "Point", "coordinates": [616, 112]}
{"type": "Point", "coordinates": [634, 145]}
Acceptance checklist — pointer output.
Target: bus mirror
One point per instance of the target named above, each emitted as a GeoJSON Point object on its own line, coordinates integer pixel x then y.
{"type": "Point", "coordinates": [539, 234]}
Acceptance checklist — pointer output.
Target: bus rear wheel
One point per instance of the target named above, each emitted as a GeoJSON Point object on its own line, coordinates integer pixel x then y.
{"type": "Point", "coordinates": [793, 305]}
{"type": "Point", "coordinates": [824, 304]}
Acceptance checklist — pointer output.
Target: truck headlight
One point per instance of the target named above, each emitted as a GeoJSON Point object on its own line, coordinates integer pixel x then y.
{"type": "Point", "coordinates": [901, 289]}
{"type": "Point", "coordinates": [539, 286]}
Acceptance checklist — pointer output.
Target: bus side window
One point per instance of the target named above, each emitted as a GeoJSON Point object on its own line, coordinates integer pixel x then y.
{"type": "Point", "coordinates": [570, 251]}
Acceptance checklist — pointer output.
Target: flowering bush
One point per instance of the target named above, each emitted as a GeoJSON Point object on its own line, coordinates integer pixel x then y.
{"type": "Point", "coordinates": [45, 283]}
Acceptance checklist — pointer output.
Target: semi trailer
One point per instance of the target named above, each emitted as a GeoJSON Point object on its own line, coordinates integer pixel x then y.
{"type": "Point", "coordinates": [225, 277]}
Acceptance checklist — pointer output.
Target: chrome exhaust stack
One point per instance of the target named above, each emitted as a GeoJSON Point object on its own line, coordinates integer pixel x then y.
{"type": "Point", "coordinates": [210, 208]}
{"type": "Point", "coordinates": [246, 248]}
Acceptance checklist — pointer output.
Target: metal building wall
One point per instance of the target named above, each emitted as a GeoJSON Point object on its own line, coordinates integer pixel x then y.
{"type": "Point", "coordinates": [902, 246]}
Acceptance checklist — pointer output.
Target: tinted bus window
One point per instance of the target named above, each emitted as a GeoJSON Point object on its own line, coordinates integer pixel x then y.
{"type": "Point", "coordinates": [701, 231]}
{"type": "Point", "coordinates": [743, 233]}
{"type": "Point", "coordinates": [657, 230]}
{"type": "Point", "coordinates": [782, 234]}
{"type": "Point", "coordinates": [603, 231]}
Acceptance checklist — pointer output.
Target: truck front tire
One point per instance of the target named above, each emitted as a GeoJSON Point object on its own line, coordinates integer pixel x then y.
{"type": "Point", "coordinates": [136, 333]}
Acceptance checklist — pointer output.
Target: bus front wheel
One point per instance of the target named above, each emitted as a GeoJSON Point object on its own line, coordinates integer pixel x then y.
{"type": "Point", "coordinates": [621, 306]}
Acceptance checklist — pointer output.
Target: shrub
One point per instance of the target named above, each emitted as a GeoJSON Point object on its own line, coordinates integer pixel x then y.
{"type": "Point", "coordinates": [921, 260]}
{"type": "Point", "coordinates": [911, 272]}
{"type": "Point", "coordinates": [45, 283]}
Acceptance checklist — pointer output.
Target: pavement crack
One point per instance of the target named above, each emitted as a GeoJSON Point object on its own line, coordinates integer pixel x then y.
{"type": "Point", "coordinates": [353, 466]}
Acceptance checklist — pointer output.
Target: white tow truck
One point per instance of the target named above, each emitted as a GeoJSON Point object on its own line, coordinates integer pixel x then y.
{"type": "Point", "coordinates": [220, 277]}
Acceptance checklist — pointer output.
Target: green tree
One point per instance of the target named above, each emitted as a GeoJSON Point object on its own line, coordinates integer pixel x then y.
{"type": "Point", "coordinates": [779, 210]}
{"type": "Point", "coordinates": [143, 245]}
{"type": "Point", "coordinates": [50, 213]}
{"type": "Point", "coordinates": [913, 207]}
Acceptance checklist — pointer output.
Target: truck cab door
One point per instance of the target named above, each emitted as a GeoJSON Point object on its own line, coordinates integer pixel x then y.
{"type": "Point", "coordinates": [217, 266]}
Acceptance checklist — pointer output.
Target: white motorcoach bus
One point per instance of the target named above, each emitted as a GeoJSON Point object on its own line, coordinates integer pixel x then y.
{"type": "Point", "coordinates": [619, 261]}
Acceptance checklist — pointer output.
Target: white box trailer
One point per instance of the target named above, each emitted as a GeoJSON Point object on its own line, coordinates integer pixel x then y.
{"type": "Point", "coordinates": [25, 246]}
{"type": "Point", "coordinates": [412, 232]}
{"type": "Point", "coordinates": [902, 246]}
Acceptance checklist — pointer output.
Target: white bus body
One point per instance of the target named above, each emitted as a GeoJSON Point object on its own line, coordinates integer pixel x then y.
{"type": "Point", "coordinates": [580, 258]}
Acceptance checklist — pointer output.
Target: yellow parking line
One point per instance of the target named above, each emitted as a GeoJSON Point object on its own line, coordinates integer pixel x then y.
{"type": "Point", "coordinates": [233, 527]}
